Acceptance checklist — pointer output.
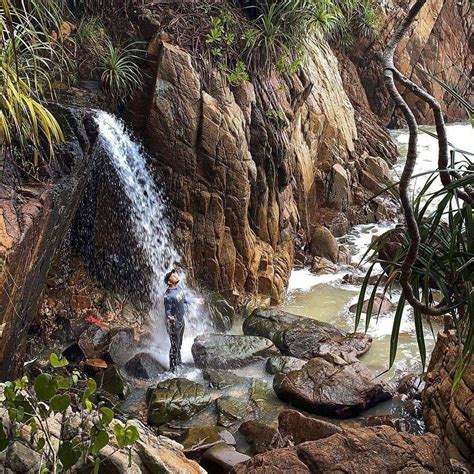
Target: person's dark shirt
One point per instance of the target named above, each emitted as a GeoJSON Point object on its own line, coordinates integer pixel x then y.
{"type": "Point", "coordinates": [175, 299]}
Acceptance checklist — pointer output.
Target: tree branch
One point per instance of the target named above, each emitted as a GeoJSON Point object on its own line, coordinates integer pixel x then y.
{"type": "Point", "coordinates": [412, 227]}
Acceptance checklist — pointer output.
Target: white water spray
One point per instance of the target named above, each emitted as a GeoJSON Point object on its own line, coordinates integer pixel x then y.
{"type": "Point", "coordinates": [151, 228]}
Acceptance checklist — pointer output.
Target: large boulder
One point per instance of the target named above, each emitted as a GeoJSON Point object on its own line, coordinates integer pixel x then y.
{"type": "Point", "coordinates": [303, 337]}
{"type": "Point", "coordinates": [374, 450]}
{"type": "Point", "coordinates": [225, 351]}
{"type": "Point", "coordinates": [324, 244]}
{"type": "Point", "coordinates": [331, 386]}
{"type": "Point", "coordinates": [176, 399]}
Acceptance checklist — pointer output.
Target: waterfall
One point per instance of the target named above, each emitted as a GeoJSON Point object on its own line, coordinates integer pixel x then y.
{"type": "Point", "coordinates": [151, 229]}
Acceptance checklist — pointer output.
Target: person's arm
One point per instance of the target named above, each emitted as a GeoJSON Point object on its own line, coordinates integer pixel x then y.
{"type": "Point", "coordinates": [189, 299]}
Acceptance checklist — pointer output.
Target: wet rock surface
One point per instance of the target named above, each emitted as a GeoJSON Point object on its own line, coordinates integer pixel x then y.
{"type": "Point", "coordinates": [222, 351]}
{"type": "Point", "coordinates": [332, 386]}
{"type": "Point", "coordinates": [283, 364]}
{"type": "Point", "coordinates": [261, 436]}
{"type": "Point", "coordinates": [231, 411]}
{"type": "Point", "coordinates": [221, 379]}
{"type": "Point", "coordinates": [112, 381]}
{"type": "Point", "coordinates": [144, 366]}
{"type": "Point", "coordinates": [176, 399]}
{"type": "Point", "coordinates": [198, 439]}
{"type": "Point", "coordinates": [368, 451]}
{"type": "Point", "coordinates": [302, 337]}
{"type": "Point", "coordinates": [299, 428]}
{"type": "Point", "coordinates": [95, 342]}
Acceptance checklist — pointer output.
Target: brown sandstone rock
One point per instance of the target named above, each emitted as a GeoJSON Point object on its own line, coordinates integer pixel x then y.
{"type": "Point", "coordinates": [330, 385]}
{"type": "Point", "coordinates": [299, 428]}
{"type": "Point", "coordinates": [381, 304]}
{"type": "Point", "coordinates": [323, 244]}
{"type": "Point", "coordinates": [449, 415]}
{"type": "Point", "coordinates": [365, 451]}
{"type": "Point", "coordinates": [261, 436]}
{"type": "Point", "coordinates": [276, 461]}
{"type": "Point", "coordinates": [302, 337]}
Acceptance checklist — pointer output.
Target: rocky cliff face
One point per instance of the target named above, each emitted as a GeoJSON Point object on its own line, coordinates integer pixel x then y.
{"type": "Point", "coordinates": [449, 414]}
{"type": "Point", "coordinates": [33, 224]}
{"type": "Point", "coordinates": [250, 170]}
{"type": "Point", "coordinates": [439, 43]}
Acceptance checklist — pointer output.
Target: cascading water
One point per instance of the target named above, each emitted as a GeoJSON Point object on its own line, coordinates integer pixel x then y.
{"type": "Point", "coordinates": [151, 228]}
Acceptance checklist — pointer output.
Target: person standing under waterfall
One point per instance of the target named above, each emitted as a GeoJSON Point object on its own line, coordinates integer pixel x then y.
{"type": "Point", "coordinates": [175, 300]}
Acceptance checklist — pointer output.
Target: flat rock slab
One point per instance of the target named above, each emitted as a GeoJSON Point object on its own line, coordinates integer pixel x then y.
{"type": "Point", "coordinates": [176, 399]}
{"type": "Point", "coordinates": [222, 379]}
{"type": "Point", "coordinates": [364, 451]}
{"type": "Point", "coordinates": [331, 386]}
{"type": "Point", "coordinates": [225, 351]}
{"type": "Point", "coordinates": [222, 458]}
{"type": "Point", "coordinates": [198, 439]}
{"type": "Point", "coordinates": [231, 411]}
{"type": "Point", "coordinates": [302, 337]}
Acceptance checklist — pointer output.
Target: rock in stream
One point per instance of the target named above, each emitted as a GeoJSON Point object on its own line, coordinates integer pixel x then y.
{"type": "Point", "coordinates": [331, 385]}
{"type": "Point", "coordinates": [302, 337]}
{"type": "Point", "coordinates": [225, 351]}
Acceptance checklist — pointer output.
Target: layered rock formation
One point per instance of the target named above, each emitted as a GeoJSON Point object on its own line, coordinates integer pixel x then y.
{"type": "Point", "coordinates": [251, 168]}
{"type": "Point", "coordinates": [438, 43]}
{"type": "Point", "coordinates": [366, 451]}
{"type": "Point", "coordinates": [449, 413]}
{"type": "Point", "coordinates": [34, 220]}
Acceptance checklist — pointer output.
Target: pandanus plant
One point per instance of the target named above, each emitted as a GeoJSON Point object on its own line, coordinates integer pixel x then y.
{"type": "Point", "coordinates": [433, 251]}
{"type": "Point", "coordinates": [27, 58]}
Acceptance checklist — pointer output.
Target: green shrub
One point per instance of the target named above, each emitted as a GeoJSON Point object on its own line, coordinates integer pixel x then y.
{"type": "Point", "coordinates": [31, 404]}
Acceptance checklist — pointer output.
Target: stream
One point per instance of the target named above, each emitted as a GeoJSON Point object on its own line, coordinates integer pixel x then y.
{"type": "Point", "coordinates": [327, 298]}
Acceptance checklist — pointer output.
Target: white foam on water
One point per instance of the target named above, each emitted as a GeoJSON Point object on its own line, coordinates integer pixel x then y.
{"type": "Point", "coordinates": [304, 280]}
{"type": "Point", "coordinates": [151, 228]}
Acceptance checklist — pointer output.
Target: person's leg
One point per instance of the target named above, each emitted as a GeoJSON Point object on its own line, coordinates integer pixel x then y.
{"type": "Point", "coordinates": [179, 342]}
{"type": "Point", "coordinates": [171, 328]}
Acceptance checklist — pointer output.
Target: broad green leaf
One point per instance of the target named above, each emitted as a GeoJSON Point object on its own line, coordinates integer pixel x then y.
{"type": "Point", "coordinates": [40, 444]}
{"type": "Point", "coordinates": [58, 361]}
{"type": "Point", "coordinates": [68, 455]}
{"type": "Point", "coordinates": [131, 435]}
{"type": "Point", "coordinates": [101, 440]}
{"type": "Point", "coordinates": [107, 415]}
{"type": "Point", "coordinates": [60, 403]}
{"type": "Point", "coordinates": [63, 382]}
{"type": "Point", "coordinates": [45, 387]}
